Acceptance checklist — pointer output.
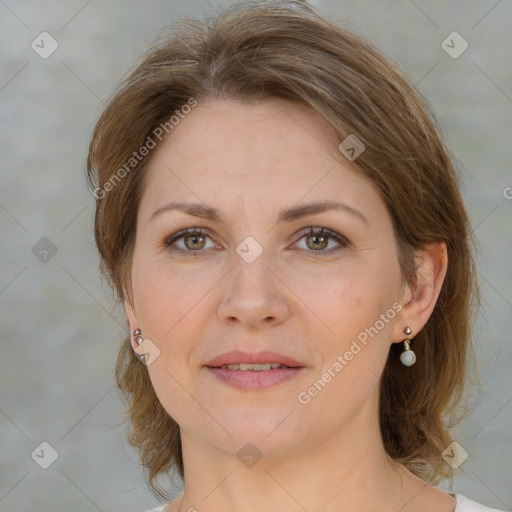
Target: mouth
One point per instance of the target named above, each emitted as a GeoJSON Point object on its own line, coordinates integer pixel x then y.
{"type": "Point", "coordinates": [255, 361]}
{"type": "Point", "coordinates": [254, 372]}
{"type": "Point", "coordinates": [252, 367]}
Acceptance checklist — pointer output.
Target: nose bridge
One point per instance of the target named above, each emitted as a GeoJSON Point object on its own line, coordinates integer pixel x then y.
{"type": "Point", "coordinates": [253, 294]}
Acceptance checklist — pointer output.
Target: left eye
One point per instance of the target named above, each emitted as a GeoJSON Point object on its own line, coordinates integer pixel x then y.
{"type": "Point", "coordinates": [319, 239]}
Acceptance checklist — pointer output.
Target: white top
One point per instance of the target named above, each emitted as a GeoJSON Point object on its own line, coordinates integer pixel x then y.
{"type": "Point", "coordinates": [463, 505]}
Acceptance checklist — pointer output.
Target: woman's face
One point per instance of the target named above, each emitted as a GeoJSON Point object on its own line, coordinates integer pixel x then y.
{"type": "Point", "coordinates": [256, 279]}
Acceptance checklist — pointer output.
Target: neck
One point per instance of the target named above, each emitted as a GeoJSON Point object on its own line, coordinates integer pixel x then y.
{"type": "Point", "coordinates": [348, 471]}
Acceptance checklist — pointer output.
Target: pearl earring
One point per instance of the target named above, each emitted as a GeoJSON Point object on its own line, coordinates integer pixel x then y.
{"type": "Point", "coordinates": [137, 335]}
{"type": "Point", "coordinates": [408, 357]}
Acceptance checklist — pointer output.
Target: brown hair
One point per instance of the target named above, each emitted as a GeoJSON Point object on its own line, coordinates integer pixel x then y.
{"type": "Point", "coordinates": [255, 50]}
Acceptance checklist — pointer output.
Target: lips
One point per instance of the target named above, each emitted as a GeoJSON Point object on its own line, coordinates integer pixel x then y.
{"type": "Point", "coordinates": [241, 357]}
{"type": "Point", "coordinates": [255, 371]}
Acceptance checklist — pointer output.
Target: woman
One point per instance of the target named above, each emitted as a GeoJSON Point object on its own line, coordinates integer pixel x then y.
{"type": "Point", "coordinates": [279, 216]}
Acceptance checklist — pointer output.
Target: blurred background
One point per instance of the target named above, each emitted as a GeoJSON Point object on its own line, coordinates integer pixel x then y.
{"type": "Point", "coordinates": [59, 63]}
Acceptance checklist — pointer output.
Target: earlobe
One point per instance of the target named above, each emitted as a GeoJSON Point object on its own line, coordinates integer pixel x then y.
{"type": "Point", "coordinates": [421, 300]}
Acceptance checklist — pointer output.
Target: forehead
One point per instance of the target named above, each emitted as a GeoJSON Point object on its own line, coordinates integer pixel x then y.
{"type": "Point", "coordinates": [266, 153]}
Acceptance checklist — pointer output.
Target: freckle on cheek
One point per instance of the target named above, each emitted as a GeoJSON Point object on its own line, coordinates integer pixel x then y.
{"type": "Point", "coordinates": [358, 300]}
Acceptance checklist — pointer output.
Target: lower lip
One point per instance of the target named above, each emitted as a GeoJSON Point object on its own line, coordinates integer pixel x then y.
{"type": "Point", "coordinates": [255, 380]}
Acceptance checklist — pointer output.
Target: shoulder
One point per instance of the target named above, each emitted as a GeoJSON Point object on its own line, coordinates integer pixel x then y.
{"type": "Point", "coordinates": [463, 505]}
{"type": "Point", "coordinates": [466, 505]}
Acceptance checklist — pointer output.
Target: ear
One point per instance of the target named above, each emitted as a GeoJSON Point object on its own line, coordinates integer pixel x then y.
{"type": "Point", "coordinates": [419, 302]}
{"type": "Point", "coordinates": [130, 315]}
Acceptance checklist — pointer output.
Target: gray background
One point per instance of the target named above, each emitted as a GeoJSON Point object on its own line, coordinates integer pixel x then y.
{"type": "Point", "coordinates": [59, 330]}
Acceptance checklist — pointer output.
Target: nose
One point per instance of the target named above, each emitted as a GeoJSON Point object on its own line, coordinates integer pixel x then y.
{"type": "Point", "coordinates": [253, 295]}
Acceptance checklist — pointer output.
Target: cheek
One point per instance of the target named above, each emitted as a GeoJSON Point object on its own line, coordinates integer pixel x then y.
{"type": "Point", "coordinates": [152, 297]}
{"type": "Point", "coordinates": [357, 352]}
{"type": "Point", "coordinates": [358, 309]}
{"type": "Point", "coordinates": [165, 295]}
{"type": "Point", "coordinates": [170, 302]}
{"type": "Point", "coordinates": [169, 386]}
{"type": "Point", "coordinates": [348, 302]}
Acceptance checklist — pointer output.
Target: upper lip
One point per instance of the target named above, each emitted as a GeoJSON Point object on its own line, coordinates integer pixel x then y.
{"type": "Point", "coordinates": [238, 356]}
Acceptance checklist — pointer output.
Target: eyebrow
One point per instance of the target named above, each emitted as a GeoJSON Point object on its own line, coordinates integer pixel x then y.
{"type": "Point", "coordinates": [287, 215]}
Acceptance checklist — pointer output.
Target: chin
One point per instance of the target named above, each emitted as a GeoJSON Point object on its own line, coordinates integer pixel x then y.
{"type": "Point", "coordinates": [271, 430]}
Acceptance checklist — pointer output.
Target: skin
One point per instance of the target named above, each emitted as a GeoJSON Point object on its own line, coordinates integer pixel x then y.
{"type": "Point", "coordinates": [251, 160]}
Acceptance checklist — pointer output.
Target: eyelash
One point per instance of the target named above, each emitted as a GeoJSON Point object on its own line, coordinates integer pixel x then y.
{"type": "Point", "coordinates": [331, 235]}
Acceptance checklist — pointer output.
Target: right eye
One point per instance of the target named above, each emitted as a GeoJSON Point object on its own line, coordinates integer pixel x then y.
{"type": "Point", "coordinates": [193, 241]}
